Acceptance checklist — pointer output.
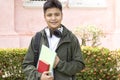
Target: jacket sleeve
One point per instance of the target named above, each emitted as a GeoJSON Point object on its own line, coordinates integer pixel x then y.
{"type": "Point", "coordinates": [29, 69]}
{"type": "Point", "coordinates": [76, 64]}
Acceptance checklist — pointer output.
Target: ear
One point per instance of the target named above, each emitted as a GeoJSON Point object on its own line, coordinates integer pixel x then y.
{"type": "Point", "coordinates": [62, 15]}
{"type": "Point", "coordinates": [44, 16]}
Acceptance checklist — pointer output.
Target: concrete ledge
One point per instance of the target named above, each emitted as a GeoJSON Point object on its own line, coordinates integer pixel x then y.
{"type": "Point", "coordinates": [9, 42]}
{"type": "Point", "coordinates": [25, 41]}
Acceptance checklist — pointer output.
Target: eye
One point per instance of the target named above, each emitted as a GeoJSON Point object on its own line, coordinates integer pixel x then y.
{"type": "Point", "coordinates": [57, 14]}
{"type": "Point", "coordinates": [49, 15]}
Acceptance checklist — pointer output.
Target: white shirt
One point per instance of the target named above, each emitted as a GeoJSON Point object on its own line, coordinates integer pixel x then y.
{"type": "Point", "coordinates": [53, 41]}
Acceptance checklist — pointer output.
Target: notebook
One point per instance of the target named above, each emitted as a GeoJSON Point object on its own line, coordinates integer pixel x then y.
{"type": "Point", "coordinates": [46, 59]}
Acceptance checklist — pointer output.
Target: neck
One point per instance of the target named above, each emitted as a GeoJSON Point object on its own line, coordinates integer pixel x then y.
{"type": "Point", "coordinates": [53, 29]}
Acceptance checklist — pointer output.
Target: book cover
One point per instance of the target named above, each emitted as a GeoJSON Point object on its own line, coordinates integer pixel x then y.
{"type": "Point", "coordinates": [43, 66]}
{"type": "Point", "coordinates": [48, 56]}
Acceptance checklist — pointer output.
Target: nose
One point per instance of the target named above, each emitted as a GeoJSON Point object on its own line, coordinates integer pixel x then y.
{"type": "Point", "coordinates": [53, 17]}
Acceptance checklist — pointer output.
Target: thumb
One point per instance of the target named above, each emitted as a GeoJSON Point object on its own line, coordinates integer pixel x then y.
{"type": "Point", "coordinates": [46, 72]}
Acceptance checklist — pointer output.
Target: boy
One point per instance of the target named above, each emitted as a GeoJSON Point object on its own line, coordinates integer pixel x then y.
{"type": "Point", "coordinates": [58, 38]}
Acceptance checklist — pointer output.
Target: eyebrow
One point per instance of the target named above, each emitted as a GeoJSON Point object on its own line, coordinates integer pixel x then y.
{"type": "Point", "coordinates": [54, 13]}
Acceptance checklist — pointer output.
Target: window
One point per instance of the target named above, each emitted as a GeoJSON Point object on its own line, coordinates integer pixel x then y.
{"type": "Point", "coordinates": [68, 3]}
{"type": "Point", "coordinates": [33, 3]}
{"type": "Point", "coordinates": [87, 3]}
{"type": "Point", "coordinates": [37, 0]}
{"type": "Point", "coordinates": [39, 3]}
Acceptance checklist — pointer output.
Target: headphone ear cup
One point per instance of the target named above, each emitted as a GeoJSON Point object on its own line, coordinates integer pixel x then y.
{"type": "Point", "coordinates": [57, 33]}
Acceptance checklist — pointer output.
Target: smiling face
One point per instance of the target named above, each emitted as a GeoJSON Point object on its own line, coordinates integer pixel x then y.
{"type": "Point", "coordinates": [53, 17]}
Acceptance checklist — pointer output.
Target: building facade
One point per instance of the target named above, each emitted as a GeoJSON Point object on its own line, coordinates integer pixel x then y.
{"type": "Point", "coordinates": [20, 19]}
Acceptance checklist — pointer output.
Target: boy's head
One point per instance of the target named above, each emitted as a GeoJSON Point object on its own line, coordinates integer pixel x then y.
{"type": "Point", "coordinates": [53, 14]}
{"type": "Point", "coordinates": [52, 4]}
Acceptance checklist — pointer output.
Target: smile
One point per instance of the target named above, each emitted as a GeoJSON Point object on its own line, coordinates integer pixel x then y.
{"type": "Point", "coordinates": [53, 22]}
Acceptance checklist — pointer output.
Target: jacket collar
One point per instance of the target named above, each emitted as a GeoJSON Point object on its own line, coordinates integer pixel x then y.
{"type": "Point", "coordinates": [65, 34]}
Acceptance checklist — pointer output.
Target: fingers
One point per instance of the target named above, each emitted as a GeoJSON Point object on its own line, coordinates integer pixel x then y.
{"type": "Point", "coordinates": [46, 73]}
{"type": "Point", "coordinates": [46, 76]}
{"type": "Point", "coordinates": [56, 61]}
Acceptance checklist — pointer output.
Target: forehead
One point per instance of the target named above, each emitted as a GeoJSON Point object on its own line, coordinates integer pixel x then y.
{"type": "Point", "coordinates": [53, 10]}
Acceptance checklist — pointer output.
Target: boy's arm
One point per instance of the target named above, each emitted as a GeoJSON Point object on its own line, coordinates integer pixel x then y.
{"type": "Point", "coordinates": [28, 64]}
{"type": "Point", "coordinates": [74, 66]}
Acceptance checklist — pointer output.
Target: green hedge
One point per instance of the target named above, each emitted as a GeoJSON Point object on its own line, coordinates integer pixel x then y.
{"type": "Point", "coordinates": [101, 64]}
{"type": "Point", "coordinates": [10, 64]}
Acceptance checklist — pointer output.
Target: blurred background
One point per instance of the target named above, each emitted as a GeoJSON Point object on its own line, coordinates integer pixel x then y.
{"type": "Point", "coordinates": [21, 19]}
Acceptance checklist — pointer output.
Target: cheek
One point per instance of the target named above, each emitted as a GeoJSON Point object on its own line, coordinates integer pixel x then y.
{"type": "Point", "coordinates": [47, 19]}
{"type": "Point", "coordinates": [61, 18]}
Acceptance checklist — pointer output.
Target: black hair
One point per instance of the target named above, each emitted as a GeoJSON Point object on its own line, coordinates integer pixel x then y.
{"type": "Point", "coordinates": [52, 4]}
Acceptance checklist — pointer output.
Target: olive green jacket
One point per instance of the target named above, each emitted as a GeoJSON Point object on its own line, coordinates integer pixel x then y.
{"type": "Point", "coordinates": [69, 52]}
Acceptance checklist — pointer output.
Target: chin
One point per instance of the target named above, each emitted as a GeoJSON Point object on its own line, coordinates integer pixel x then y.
{"type": "Point", "coordinates": [55, 26]}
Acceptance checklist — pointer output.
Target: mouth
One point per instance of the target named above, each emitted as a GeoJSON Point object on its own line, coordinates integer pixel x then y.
{"type": "Point", "coordinates": [53, 23]}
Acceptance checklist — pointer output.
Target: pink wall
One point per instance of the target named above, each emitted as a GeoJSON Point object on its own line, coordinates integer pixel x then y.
{"type": "Point", "coordinates": [8, 36]}
{"type": "Point", "coordinates": [21, 23]}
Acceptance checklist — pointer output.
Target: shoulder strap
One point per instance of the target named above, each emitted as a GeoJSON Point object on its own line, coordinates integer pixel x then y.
{"type": "Point", "coordinates": [36, 47]}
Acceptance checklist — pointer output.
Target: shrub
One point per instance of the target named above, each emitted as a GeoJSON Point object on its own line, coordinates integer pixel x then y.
{"type": "Point", "coordinates": [90, 35]}
{"type": "Point", "coordinates": [10, 64]}
{"type": "Point", "coordinates": [101, 64]}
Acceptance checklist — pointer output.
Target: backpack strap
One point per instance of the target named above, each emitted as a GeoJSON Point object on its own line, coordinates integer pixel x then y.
{"type": "Point", "coordinates": [36, 47]}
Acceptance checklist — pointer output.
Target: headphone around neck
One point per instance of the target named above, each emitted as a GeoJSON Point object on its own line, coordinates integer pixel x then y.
{"type": "Point", "coordinates": [56, 32]}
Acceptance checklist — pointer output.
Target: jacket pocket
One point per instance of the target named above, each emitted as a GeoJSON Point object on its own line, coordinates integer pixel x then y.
{"type": "Point", "coordinates": [70, 78]}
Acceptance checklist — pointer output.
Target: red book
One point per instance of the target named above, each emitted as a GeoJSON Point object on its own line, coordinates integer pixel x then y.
{"type": "Point", "coordinates": [42, 66]}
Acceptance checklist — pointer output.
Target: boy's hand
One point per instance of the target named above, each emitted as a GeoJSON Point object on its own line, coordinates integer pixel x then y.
{"type": "Point", "coordinates": [46, 76]}
{"type": "Point", "coordinates": [57, 59]}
